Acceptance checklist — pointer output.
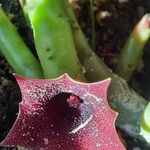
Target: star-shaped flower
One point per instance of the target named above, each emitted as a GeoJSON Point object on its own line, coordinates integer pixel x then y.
{"type": "Point", "coordinates": [63, 114]}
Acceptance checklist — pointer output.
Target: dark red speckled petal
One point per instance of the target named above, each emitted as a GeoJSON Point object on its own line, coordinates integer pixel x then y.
{"type": "Point", "coordinates": [63, 114]}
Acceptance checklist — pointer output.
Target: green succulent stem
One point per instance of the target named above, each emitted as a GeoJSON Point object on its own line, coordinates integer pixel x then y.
{"type": "Point", "coordinates": [145, 124]}
{"type": "Point", "coordinates": [132, 51]}
{"type": "Point", "coordinates": [53, 39]}
{"type": "Point", "coordinates": [93, 71]}
{"type": "Point", "coordinates": [128, 103]}
{"type": "Point", "coordinates": [15, 51]}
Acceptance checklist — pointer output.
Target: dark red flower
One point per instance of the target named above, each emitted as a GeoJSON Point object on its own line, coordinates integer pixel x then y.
{"type": "Point", "coordinates": [63, 114]}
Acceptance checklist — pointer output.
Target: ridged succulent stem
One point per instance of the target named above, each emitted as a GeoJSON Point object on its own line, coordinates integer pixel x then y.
{"type": "Point", "coordinates": [132, 52]}
{"type": "Point", "coordinates": [53, 39]}
{"type": "Point", "coordinates": [15, 50]}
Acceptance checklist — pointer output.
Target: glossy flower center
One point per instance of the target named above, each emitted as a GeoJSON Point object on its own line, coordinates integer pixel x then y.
{"type": "Point", "coordinates": [68, 111]}
{"type": "Point", "coordinates": [74, 101]}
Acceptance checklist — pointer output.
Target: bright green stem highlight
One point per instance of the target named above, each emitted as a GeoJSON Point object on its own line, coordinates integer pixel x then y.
{"type": "Point", "coordinates": [15, 51]}
{"type": "Point", "coordinates": [132, 52]}
{"type": "Point", "coordinates": [53, 39]}
{"type": "Point", "coordinates": [145, 124]}
{"type": "Point", "coordinates": [128, 103]}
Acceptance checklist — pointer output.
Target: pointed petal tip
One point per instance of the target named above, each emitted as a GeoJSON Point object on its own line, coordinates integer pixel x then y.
{"type": "Point", "coordinates": [18, 75]}
{"type": "Point", "coordinates": [65, 75]}
{"type": "Point", "coordinates": [106, 82]}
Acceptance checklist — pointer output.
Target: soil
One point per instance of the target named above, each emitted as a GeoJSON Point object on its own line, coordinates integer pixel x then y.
{"type": "Point", "coordinates": [111, 33]}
